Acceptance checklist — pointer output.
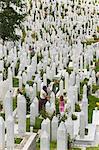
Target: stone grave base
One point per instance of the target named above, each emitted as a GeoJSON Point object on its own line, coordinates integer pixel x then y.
{"type": "Point", "coordinates": [28, 142]}
{"type": "Point", "coordinates": [89, 140]}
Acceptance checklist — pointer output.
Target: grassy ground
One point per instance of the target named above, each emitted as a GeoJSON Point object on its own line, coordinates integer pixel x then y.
{"type": "Point", "coordinates": [92, 105]}
{"type": "Point", "coordinates": [92, 148]}
{"type": "Point", "coordinates": [53, 146]}
{"type": "Point", "coordinates": [15, 82]}
{"type": "Point", "coordinates": [37, 124]}
{"type": "Point", "coordinates": [17, 140]}
{"type": "Point", "coordinates": [14, 103]}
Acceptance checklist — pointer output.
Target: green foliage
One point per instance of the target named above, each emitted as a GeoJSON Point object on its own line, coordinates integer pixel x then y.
{"type": "Point", "coordinates": [34, 36]}
{"type": "Point", "coordinates": [38, 122]}
{"type": "Point", "coordinates": [38, 95]}
{"type": "Point", "coordinates": [97, 66]}
{"type": "Point", "coordinates": [74, 117]}
{"type": "Point", "coordinates": [9, 20]}
{"type": "Point", "coordinates": [41, 73]}
{"type": "Point", "coordinates": [95, 88]}
{"type": "Point", "coordinates": [64, 117]}
{"type": "Point", "coordinates": [1, 106]}
{"type": "Point", "coordinates": [15, 82]}
{"type": "Point", "coordinates": [39, 58]}
{"type": "Point", "coordinates": [69, 70]}
{"type": "Point", "coordinates": [2, 115]}
{"type": "Point", "coordinates": [14, 103]}
{"type": "Point", "coordinates": [77, 108]}
{"type": "Point", "coordinates": [76, 148]}
{"type": "Point", "coordinates": [37, 126]}
{"type": "Point", "coordinates": [30, 82]}
{"type": "Point", "coordinates": [28, 124]}
{"type": "Point", "coordinates": [57, 106]}
{"type": "Point", "coordinates": [45, 115]}
{"type": "Point", "coordinates": [53, 145]}
{"type": "Point", "coordinates": [92, 148]}
{"type": "Point", "coordinates": [17, 140]}
{"type": "Point", "coordinates": [23, 35]}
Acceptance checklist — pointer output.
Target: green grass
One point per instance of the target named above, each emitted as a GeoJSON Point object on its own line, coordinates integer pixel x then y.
{"type": "Point", "coordinates": [95, 88]}
{"type": "Point", "coordinates": [15, 82]}
{"type": "Point", "coordinates": [28, 124]}
{"type": "Point", "coordinates": [37, 124]}
{"type": "Point", "coordinates": [2, 115]}
{"type": "Point", "coordinates": [17, 140]}
{"type": "Point", "coordinates": [97, 67]}
{"type": "Point", "coordinates": [14, 103]}
{"type": "Point", "coordinates": [92, 148]}
{"type": "Point", "coordinates": [92, 104]}
{"type": "Point", "coordinates": [53, 146]}
{"type": "Point", "coordinates": [30, 83]}
{"type": "Point", "coordinates": [76, 148]}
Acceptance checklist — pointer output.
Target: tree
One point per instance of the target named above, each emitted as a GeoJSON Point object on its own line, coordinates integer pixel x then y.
{"type": "Point", "coordinates": [10, 19]}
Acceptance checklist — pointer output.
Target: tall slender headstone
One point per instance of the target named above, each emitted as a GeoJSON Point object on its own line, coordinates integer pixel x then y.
{"type": "Point", "coordinates": [10, 133]}
{"type": "Point", "coordinates": [82, 125]}
{"type": "Point", "coordinates": [44, 141]}
{"type": "Point", "coordinates": [61, 87]}
{"type": "Point", "coordinates": [8, 105]}
{"type": "Point", "coordinates": [36, 102]}
{"type": "Point", "coordinates": [54, 127]}
{"type": "Point", "coordinates": [85, 109]}
{"type": "Point", "coordinates": [32, 114]}
{"type": "Point", "coordinates": [62, 137]}
{"type": "Point", "coordinates": [2, 134]}
{"type": "Point", "coordinates": [21, 110]}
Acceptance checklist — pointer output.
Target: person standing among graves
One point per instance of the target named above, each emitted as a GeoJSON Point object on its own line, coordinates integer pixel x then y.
{"type": "Point", "coordinates": [43, 98]}
{"type": "Point", "coordinates": [61, 105]}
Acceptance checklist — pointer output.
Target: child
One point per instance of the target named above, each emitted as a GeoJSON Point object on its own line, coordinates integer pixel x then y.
{"type": "Point", "coordinates": [61, 105]}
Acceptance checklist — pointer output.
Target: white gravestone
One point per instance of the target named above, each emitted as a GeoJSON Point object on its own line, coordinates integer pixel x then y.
{"type": "Point", "coordinates": [54, 127]}
{"type": "Point", "coordinates": [44, 141]}
{"type": "Point", "coordinates": [2, 134]}
{"type": "Point", "coordinates": [32, 114]}
{"type": "Point", "coordinates": [21, 110]}
{"type": "Point", "coordinates": [62, 137]}
{"type": "Point", "coordinates": [10, 133]}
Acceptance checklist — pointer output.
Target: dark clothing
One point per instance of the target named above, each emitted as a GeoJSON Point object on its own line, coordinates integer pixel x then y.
{"type": "Point", "coordinates": [42, 103]}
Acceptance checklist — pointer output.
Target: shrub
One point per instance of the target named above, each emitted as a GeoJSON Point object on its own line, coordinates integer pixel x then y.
{"type": "Point", "coordinates": [74, 117]}
{"type": "Point", "coordinates": [77, 108]}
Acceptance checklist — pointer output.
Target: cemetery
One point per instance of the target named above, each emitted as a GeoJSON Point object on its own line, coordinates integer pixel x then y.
{"type": "Point", "coordinates": [49, 75]}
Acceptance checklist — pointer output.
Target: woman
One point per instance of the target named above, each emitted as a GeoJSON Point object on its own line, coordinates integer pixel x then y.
{"type": "Point", "coordinates": [43, 98]}
{"type": "Point", "coordinates": [61, 105]}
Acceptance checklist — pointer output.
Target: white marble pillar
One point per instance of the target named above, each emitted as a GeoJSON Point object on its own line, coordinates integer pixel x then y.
{"type": "Point", "coordinates": [10, 133]}
{"type": "Point", "coordinates": [32, 114]}
{"type": "Point", "coordinates": [2, 134]}
{"type": "Point", "coordinates": [54, 127]}
{"type": "Point", "coordinates": [62, 137]}
{"type": "Point", "coordinates": [21, 110]}
{"type": "Point", "coordinates": [44, 141]}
